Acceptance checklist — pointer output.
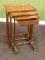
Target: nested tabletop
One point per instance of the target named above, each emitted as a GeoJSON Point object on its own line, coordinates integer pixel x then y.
{"type": "Point", "coordinates": [16, 8]}
{"type": "Point", "coordinates": [23, 12]}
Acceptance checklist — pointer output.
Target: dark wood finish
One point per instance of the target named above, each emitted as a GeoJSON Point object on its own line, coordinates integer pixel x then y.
{"type": "Point", "coordinates": [10, 31]}
{"type": "Point", "coordinates": [7, 27]}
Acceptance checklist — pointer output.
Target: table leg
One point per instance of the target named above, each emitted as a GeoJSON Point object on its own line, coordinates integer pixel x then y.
{"type": "Point", "coordinates": [30, 32]}
{"type": "Point", "coordinates": [7, 27]}
{"type": "Point", "coordinates": [10, 31]}
{"type": "Point", "coordinates": [13, 42]}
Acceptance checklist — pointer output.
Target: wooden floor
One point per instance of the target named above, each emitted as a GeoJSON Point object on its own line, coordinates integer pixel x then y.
{"type": "Point", "coordinates": [25, 51]}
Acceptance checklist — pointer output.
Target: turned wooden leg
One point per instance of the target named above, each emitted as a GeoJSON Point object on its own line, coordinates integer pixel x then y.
{"type": "Point", "coordinates": [30, 32]}
{"type": "Point", "coordinates": [10, 31]}
{"type": "Point", "coordinates": [7, 27]}
{"type": "Point", "coordinates": [14, 48]}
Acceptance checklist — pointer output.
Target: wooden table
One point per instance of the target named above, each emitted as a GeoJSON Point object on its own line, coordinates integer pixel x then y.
{"type": "Point", "coordinates": [21, 13]}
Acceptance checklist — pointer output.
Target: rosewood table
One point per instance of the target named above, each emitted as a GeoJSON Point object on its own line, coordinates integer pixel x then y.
{"type": "Point", "coordinates": [26, 15]}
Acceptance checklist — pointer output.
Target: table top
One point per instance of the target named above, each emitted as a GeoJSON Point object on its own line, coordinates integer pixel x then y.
{"type": "Point", "coordinates": [28, 13]}
{"type": "Point", "coordinates": [24, 11]}
{"type": "Point", "coordinates": [17, 8]}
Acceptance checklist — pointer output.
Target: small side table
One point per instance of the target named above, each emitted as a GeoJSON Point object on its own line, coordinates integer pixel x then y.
{"type": "Point", "coordinates": [23, 14]}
